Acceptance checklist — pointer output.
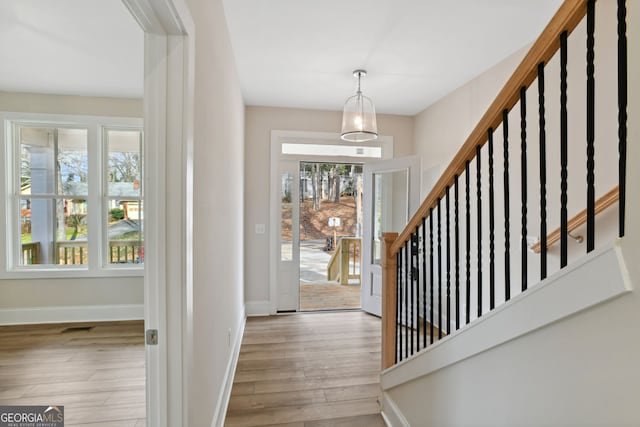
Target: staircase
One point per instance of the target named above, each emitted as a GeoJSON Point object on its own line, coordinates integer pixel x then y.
{"type": "Point", "coordinates": [484, 322]}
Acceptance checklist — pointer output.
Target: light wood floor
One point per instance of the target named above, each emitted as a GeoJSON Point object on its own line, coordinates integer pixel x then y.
{"type": "Point", "coordinates": [308, 370]}
{"type": "Point", "coordinates": [97, 374]}
{"type": "Point", "coordinates": [328, 296]}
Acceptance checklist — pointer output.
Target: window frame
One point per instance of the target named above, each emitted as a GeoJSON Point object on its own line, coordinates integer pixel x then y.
{"type": "Point", "coordinates": [97, 243]}
{"type": "Point", "coordinates": [105, 196]}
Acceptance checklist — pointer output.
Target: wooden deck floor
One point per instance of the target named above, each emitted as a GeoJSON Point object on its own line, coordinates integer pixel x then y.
{"type": "Point", "coordinates": [308, 370]}
{"type": "Point", "coordinates": [328, 296]}
{"type": "Point", "coordinates": [97, 374]}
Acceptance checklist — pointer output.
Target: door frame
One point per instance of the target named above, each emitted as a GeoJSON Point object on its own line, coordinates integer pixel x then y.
{"type": "Point", "coordinates": [169, 60]}
{"type": "Point", "coordinates": [279, 137]}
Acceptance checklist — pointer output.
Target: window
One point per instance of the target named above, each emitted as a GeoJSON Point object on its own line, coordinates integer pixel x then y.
{"type": "Point", "coordinates": [76, 194]}
{"type": "Point", "coordinates": [123, 196]}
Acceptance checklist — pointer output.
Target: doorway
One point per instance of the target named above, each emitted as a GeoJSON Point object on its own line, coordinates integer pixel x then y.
{"type": "Point", "coordinates": [294, 157]}
{"type": "Point", "coordinates": [330, 218]}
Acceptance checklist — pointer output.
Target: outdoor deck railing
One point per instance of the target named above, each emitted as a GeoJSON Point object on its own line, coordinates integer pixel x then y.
{"type": "Point", "coordinates": [345, 262]}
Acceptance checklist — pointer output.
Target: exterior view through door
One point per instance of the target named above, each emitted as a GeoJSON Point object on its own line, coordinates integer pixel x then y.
{"type": "Point", "coordinates": [330, 226]}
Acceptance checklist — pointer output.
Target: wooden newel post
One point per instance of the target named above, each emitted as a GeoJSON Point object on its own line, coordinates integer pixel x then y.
{"type": "Point", "coordinates": [389, 302]}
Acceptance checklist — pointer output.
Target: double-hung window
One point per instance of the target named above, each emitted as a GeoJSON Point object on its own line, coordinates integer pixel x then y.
{"type": "Point", "coordinates": [74, 194]}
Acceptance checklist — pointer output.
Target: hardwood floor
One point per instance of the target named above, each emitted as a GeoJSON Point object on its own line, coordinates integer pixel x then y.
{"type": "Point", "coordinates": [98, 374]}
{"type": "Point", "coordinates": [308, 370]}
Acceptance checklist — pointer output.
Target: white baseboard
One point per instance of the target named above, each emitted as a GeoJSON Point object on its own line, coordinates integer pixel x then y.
{"type": "Point", "coordinates": [225, 394]}
{"type": "Point", "coordinates": [391, 413]}
{"type": "Point", "coordinates": [68, 314]}
{"type": "Point", "coordinates": [258, 308]}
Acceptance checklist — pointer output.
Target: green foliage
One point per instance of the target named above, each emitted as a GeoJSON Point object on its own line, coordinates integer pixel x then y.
{"type": "Point", "coordinates": [116, 214]}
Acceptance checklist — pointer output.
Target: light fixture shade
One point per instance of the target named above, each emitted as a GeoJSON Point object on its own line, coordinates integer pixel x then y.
{"type": "Point", "coordinates": [359, 116]}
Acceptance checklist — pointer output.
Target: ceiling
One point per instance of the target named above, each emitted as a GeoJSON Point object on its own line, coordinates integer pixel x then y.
{"type": "Point", "coordinates": [300, 53]}
{"type": "Point", "coordinates": [70, 47]}
{"type": "Point", "coordinates": [289, 53]}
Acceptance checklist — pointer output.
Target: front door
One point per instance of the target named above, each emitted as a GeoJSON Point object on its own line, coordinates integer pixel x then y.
{"type": "Point", "coordinates": [288, 272]}
{"type": "Point", "coordinates": [391, 196]}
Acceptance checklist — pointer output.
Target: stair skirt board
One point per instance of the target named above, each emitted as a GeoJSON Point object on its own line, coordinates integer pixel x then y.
{"type": "Point", "coordinates": [391, 413]}
{"type": "Point", "coordinates": [594, 279]}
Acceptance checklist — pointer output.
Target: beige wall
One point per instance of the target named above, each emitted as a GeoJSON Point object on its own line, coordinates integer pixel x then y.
{"type": "Point", "coordinates": [260, 121]}
{"type": "Point", "coordinates": [58, 104]}
{"type": "Point", "coordinates": [218, 294]}
{"type": "Point", "coordinates": [441, 128]}
{"type": "Point", "coordinates": [582, 370]}
{"type": "Point", "coordinates": [20, 297]}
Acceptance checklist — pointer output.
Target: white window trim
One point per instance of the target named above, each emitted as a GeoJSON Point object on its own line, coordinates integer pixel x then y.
{"type": "Point", "coordinates": [96, 266]}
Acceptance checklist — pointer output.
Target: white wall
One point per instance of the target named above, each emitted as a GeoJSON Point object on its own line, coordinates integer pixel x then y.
{"type": "Point", "coordinates": [580, 371]}
{"type": "Point", "coordinates": [56, 300]}
{"type": "Point", "coordinates": [218, 295]}
{"type": "Point", "coordinates": [260, 121]}
{"type": "Point", "coordinates": [441, 129]}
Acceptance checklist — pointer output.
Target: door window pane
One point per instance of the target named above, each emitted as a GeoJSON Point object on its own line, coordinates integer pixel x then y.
{"type": "Point", "coordinates": [390, 208]}
{"type": "Point", "coordinates": [286, 218]}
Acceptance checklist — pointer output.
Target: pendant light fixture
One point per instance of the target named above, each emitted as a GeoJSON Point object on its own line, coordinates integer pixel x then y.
{"type": "Point", "coordinates": [359, 117]}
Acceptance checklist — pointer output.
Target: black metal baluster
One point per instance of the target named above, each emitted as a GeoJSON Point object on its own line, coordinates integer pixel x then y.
{"type": "Point", "coordinates": [543, 174]}
{"type": "Point", "coordinates": [507, 225]}
{"type": "Point", "coordinates": [406, 299]}
{"type": "Point", "coordinates": [424, 282]}
{"type": "Point", "coordinates": [564, 156]}
{"type": "Point", "coordinates": [479, 230]}
{"type": "Point", "coordinates": [398, 299]}
{"type": "Point", "coordinates": [622, 113]}
{"type": "Point", "coordinates": [492, 227]}
{"type": "Point", "coordinates": [523, 172]}
{"type": "Point", "coordinates": [591, 190]}
{"type": "Point", "coordinates": [448, 323]}
{"type": "Point", "coordinates": [456, 233]}
{"type": "Point", "coordinates": [416, 279]}
{"type": "Point", "coordinates": [468, 226]}
{"type": "Point", "coordinates": [439, 272]}
{"type": "Point", "coordinates": [411, 294]}
{"type": "Point", "coordinates": [431, 273]}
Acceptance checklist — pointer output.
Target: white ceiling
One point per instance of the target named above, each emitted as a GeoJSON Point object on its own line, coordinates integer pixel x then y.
{"type": "Point", "coordinates": [300, 53]}
{"type": "Point", "coordinates": [289, 53]}
{"type": "Point", "coordinates": [71, 47]}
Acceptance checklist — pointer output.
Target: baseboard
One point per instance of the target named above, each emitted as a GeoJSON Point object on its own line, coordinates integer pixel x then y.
{"type": "Point", "coordinates": [258, 308]}
{"type": "Point", "coordinates": [223, 398]}
{"type": "Point", "coordinates": [69, 314]}
{"type": "Point", "coordinates": [391, 413]}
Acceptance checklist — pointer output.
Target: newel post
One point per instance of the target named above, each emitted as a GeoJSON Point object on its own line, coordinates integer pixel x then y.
{"type": "Point", "coordinates": [389, 302]}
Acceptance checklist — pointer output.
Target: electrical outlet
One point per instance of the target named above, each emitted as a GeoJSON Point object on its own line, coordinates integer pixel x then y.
{"type": "Point", "coordinates": [260, 228]}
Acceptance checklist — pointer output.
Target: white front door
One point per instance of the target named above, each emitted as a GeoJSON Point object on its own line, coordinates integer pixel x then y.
{"type": "Point", "coordinates": [288, 271]}
{"type": "Point", "coordinates": [391, 196]}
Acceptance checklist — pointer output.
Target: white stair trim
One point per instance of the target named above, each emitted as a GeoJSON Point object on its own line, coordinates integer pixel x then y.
{"type": "Point", "coordinates": [595, 278]}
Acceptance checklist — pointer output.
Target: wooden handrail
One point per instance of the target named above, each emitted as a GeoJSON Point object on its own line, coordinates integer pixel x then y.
{"type": "Point", "coordinates": [566, 19]}
{"type": "Point", "coordinates": [608, 199]}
